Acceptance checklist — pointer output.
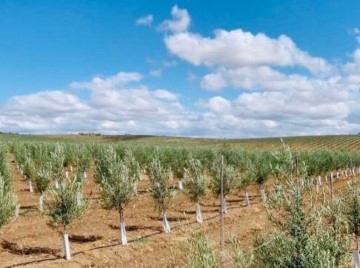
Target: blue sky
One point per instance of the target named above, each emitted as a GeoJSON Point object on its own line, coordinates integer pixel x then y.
{"type": "Point", "coordinates": [184, 68]}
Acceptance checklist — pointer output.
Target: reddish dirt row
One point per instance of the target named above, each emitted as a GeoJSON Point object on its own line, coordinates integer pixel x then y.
{"type": "Point", "coordinates": [148, 246]}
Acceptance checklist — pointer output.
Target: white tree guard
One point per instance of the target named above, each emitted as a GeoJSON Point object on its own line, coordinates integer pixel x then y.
{"type": "Point", "coordinates": [78, 198]}
{"type": "Point", "coordinates": [263, 195]}
{"type": "Point", "coordinates": [319, 181]}
{"type": "Point", "coordinates": [17, 211]}
{"type": "Point", "coordinates": [356, 258]}
{"type": "Point", "coordinates": [123, 234]}
{"type": "Point", "coordinates": [67, 247]}
{"type": "Point", "coordinates": [31, 190]}
{"type": "Point", "coordinates": [247, 199]}
{"type": "Point", "coordinates": [41, 202]}
{"type": "Point", "coordinates": [224, 206]}
{"type": "Point", "coordinates": [181, 185]}
{"type": "Point", "coordinates": [199, 217]}
{"type": "Point", "coordinates": [166, 225]}
{"type": "Point", "coordinates": [135, 189]}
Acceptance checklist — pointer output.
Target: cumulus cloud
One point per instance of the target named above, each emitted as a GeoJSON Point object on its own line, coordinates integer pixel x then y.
{"type": "Point", "coordinates": [237, 48]}
{"type": "Point", "coordinates": [110, 82]}
{"type": "Point", "coordinates": [145, 21]}
{"type": "Point", "coordinates": [180, 21]}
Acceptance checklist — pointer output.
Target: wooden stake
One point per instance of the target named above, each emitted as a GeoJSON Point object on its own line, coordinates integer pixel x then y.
{"type": "Point", "coordinates": [222, 260]}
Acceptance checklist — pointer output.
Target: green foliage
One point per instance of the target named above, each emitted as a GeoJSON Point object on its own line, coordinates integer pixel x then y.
{"type": "Point", "coordinates": [352, 208]}
{"type": "Point", "coordinates": [200, 252]}
{"type": "Point", "coordinates": [230, 177]}
{"type": "Point", "coordinates": [160, 190]}
{"type": "Point", "coordinates": [117, 185]}
{"type": "Point", "coordinates": [7, 201]}
{"type": "Point", "coordinates": [66, 203]}
{"type": "Point", "coordinates": [57, 162]}
{"type": "Point", "coordinates": [305, 236]}
{"type": "Point", "coordinates": [195, 180]}
{"type": "Point", "coordinates": [43, 178]}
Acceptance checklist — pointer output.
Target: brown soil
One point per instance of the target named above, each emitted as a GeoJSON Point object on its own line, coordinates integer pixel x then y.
{"type": "Point", "coordinates": [95, 238]}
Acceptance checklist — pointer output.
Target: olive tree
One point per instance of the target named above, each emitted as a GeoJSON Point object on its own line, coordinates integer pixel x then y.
{"type": "Point", "coordinates": [66, 204]}
{"type": "Point", "coordinates": [42, 182]}
{"type": "Point", "coordinates": [161, 190]}
{"type": "Point", "coordinates": [116, 189]}
{"type": "Point", "coordinates": [196, 184]}
{"type": "Point", "coordinates": [230, 175]}
{"type": "Point", "coordinates": [7, 201]}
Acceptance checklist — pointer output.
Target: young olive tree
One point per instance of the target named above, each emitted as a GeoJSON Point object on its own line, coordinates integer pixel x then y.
{"type": "Point", "coordinates": [66, 204]}
{"type": "Point", "coordinates": [134, 169]}
{"type": "Point", "coordinates": [42, 182]}
{"type": "Point", "coordinates": [302, 238]}
{"type": "Point", "coordinates": [161, 190]}
{"type": "Point", "coordinates": [230, 175]}
{"type": "Point", "coordinates": [196, 185]}
{"type": "Point", "coordinates": [117, 190]}
{"type": "Point", "coordinates": [29, 172]}
{"type": "Point", "coordinates": [7, 201]}
{"type": "Point", "coordinates": [57, 163]}
{"type": "Point", "coordinates": [352, 214]}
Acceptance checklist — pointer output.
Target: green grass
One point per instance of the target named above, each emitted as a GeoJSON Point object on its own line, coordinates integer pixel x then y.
{"type": "Point", "coordinates": [301, 143]}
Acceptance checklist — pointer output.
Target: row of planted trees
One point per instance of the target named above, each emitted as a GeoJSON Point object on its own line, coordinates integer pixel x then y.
{"type": "Point", "coordinates": [308, 229]}
{"type": "Point", "coordinates": [118, 173]}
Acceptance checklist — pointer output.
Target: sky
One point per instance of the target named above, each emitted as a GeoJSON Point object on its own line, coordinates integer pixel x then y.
{"type": "Point", "coordinates": [222, 69]}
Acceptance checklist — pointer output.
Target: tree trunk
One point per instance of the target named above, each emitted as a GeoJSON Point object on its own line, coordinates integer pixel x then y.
{"type": "Point", "coordinates": [356, 258]}
{"type": "Point", "coordinates": [166, 225]}
{"type": "Point", "coordinates": [67, 247]}
{"type": "Point", "coordinates": [31, 190]}
{"type": "Point", "coordinates": [199, 217]}
{"type": "Point", "coordinates": [263, 194]}
{"type": "Point", "coordinates": [181, 185]}
{"type": "Point", "coordinates": [247, 200]}
{"type": "Point", "coordinates": [224, 205]}
{"type": "Point", "coordinates": [41, 202]}
{"type": "Point", "coordinates": [122, 228]}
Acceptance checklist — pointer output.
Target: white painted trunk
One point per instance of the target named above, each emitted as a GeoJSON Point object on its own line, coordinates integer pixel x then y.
{"type": "Point", "coordinates": [56, 184]}
{"type": "Point", "coordinates": [247, 200]}
{"type": "Point", "coordinates": [331, 176]}
{"type": "Point", "coordinates": [123, 234]}
{"type": "Point", "coordinates": [199, 217]}
{"type": "Point", "coordinates": [263, 195]}
{"type": "Point", "coordinates": [356, 258]}
{"type": "Point", "coordinates": [17, 211]}
{"type": "Point", "coordinates": [30, 186]}
{"type": "Point", "coordinates": [85, 175]}
{"type": "Point", "coordinates": [71, 168]}
{"type": "Point", "coordinates": [319, 181]}
{"type": "Point", "coordinates": [135, 189]}
{"type": "Point", "coordinates": [66, 174]}
{"type": "Point", "coordinates": [166, 225]}
{"type": "Point", "coordinates": [181, 186]}
{"type": "Point", "coordinates": [224, 206]}
{"type": "Point", "coordinates": [67, 247]}
{"type": "Point", "coordinates": [346, 174]}
{"type": "Point", "coordinates": [41, 202]}
{"type": "Point", "coordinates": [78, 198]}
{"type": "Point", "coordinates": [353, 170]}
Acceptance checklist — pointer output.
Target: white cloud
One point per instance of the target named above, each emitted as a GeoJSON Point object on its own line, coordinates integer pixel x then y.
{"type": "Point", "coordinates": [180, 21]}
{"type": "Point", "coordinates": [156, 73]}
{"type": "Point", "coordinates": [236, 48]}
{"type": "Point", "coordinates": [108, 83]}
{"type": "Point", "coordinates": [146, 20]}
{"type": "Point", "coordinates": [165, 95]}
